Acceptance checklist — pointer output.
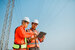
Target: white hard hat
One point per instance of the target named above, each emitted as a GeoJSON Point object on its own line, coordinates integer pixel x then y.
{"type": "Point", "coordinates": [36, 21]}
{"type": "Point", "coordinates": [26, 19]}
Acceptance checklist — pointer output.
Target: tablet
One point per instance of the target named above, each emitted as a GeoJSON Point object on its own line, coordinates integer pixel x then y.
{"type": "Point", "coordinates": [41, 34]}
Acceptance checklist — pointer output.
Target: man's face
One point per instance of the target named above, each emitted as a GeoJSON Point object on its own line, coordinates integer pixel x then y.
{"type": "Point", "coordinates": [34, 25]}
{"type": "Point", "coordinates": [25, 24]}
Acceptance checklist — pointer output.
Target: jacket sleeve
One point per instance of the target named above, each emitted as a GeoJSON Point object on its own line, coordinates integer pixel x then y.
{"type": "Point", "coordinates": [22, 33]}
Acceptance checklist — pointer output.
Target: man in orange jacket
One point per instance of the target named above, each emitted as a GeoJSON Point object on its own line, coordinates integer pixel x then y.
{"type": "Point", "coordinates": [33, 45]}
{"type": "Point", "coordinates": [20, 40]}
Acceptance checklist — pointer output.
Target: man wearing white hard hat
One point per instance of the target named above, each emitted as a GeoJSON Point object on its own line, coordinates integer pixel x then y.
{"type": "Point", "coordinates": [20, 37]}
{"type": "Point", "coordinates": [33, 45]}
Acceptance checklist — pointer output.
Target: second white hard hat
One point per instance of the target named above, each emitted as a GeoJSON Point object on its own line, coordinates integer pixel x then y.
{"type": "Point", "coordinates": [36, 21]}
{"type": "Point", "coordinates": [26, 19]}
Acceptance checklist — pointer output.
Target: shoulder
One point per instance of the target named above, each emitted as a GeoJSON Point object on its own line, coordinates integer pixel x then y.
{"type": "Point", "coordinates": [18, 28]}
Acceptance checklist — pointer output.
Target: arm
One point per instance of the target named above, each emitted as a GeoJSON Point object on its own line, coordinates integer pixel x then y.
{"type": "Point", "coordinates": [22, 33]}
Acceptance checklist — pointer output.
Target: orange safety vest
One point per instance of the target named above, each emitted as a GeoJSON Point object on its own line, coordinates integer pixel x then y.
{"type": "Point", "coordinates": [33, 43]}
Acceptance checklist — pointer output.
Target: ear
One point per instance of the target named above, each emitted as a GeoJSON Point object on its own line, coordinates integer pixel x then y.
{"type": "Point", "coordinates": [31, 23]}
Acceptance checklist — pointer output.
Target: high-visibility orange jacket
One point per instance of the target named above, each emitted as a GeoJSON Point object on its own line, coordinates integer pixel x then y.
{"type": "Point", "coordinates": [20, 34]}
{"type": "Point", "coordinates": [34, 43]}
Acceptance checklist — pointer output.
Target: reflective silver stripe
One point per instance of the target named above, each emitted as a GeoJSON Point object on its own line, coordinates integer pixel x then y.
{"type": "Point", "coordinates": [22, 46]}
{"type": "Point", "coordinates": [26, 42]}
{"type": "Point", "coordinates": [32, 43]}
{"type": "Point", "coordinates": [17, 46]}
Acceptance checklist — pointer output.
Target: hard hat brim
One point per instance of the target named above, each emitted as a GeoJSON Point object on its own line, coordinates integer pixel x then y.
{"type": "Point", "coordinates": [34, 23]}
{"type": "Point", "coordinates": [25, 20]}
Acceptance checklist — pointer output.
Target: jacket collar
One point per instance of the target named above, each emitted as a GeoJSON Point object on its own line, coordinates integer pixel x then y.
{"type": "Point", "coordinates": [22, 26]}
{"type": "Point", "coordinates": [32, 29]}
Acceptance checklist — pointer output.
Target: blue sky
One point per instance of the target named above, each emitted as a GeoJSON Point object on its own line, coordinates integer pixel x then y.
{"type": "Point", "coordinates": [56, 17]}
